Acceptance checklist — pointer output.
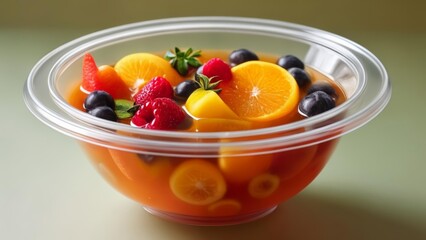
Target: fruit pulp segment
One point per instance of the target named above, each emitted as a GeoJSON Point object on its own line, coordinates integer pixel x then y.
{"type": "Point", "coordinates": [260, 91]}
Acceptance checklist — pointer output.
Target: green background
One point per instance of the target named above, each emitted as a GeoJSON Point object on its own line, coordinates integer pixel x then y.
{"type": "Point", "coordinates": [372, 188]}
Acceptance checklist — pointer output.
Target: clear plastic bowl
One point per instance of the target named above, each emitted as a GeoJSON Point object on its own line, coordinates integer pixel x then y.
{"type": "Point", "coordinates": [277, 162]}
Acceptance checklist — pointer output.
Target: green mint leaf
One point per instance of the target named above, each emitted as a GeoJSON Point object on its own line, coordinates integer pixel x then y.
{"type": "Point", "coordinates": [122, 107]}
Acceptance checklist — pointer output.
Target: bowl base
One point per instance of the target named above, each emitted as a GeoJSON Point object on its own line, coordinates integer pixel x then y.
{"type": "Point", "coordinates": [210, 221]}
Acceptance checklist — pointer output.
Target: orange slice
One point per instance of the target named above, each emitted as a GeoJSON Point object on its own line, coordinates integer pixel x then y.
{"type": "Point", "coordinates": [263, 185]}
{"type": "Point", "coordinates": [197, 182]}
{"type": "Point", "coordinates": [260, 91]}
{"type": "Point", "coordinates": [225, 207]}
{"type": "Point", "coordinates": [138, 68]}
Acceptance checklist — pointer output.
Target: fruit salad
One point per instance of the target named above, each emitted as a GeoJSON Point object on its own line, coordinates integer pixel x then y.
{"type": "Point", "coordinates": [205, 91]}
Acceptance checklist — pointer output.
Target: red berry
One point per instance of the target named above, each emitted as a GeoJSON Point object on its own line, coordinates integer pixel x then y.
{"type": "Point", "coordinates": [157, 87]}
{"type": "Point", "coordinates": [160, 114]}
{"type": "Point", "coordinates": [103, 78]}
{"type": "Point", "coordinates": [218, 69]}
{"type": "Point", "coordinates": [90, 70]}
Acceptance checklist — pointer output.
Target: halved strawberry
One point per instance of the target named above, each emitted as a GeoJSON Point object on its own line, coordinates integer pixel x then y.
{"type": "Point", "coordinates": [103, 78]}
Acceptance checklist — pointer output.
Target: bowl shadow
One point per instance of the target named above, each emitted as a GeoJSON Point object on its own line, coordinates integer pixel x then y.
{"type": "Point", "coordinates": [306, 216]}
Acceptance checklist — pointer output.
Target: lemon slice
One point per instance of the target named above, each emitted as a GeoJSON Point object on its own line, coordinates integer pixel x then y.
{"type": "Point", "coordinates": [263, 185]}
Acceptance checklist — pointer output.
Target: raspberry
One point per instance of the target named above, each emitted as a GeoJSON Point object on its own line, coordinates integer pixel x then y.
{"type": "Point", "coordinates": [160, 114]}
{"type": "Point", "coordinates": [218, 69]}
{"type": "Point", "coordinates": [157, 87]}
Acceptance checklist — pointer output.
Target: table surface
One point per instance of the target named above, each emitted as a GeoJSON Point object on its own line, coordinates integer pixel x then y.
{"type": "Point", "coordinates": [372, 188]}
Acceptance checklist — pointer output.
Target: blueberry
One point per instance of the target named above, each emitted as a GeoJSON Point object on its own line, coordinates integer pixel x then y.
{"type": "Point", "coordinates": [316, 103]}
{"type": "Point", "coordinates": [98, 98]}
{"type": "Point", "coordinates": [185, 88]}
{"type": "Point", "coordinates": [325, 87]}
{"type": "Point", "coordinates": [104, 112]}
{"type": "Point", "coordinates": [290, 61]}
{"type": "Point", "coordinates": [241, 55]}
{"type": "Point", "coordinates": [302, 77]}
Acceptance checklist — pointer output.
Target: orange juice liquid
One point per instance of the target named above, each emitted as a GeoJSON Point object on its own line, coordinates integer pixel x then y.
{"type": "Point", "coordinates": [253, 184]}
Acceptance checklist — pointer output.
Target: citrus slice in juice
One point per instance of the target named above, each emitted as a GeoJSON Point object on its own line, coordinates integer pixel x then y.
{"type": "Point", "coordinates": [138, 68]}
{"type": "Point", "coordinates": [112, 82]}
{"type": "Point", "coordinates": [263, 185]}
{"type": "Point", "coordinates": [225, 207]}
{"type": "Point", "coordinates": [197, 182]}
{"type": "Point", "coordinates": [260, 91]}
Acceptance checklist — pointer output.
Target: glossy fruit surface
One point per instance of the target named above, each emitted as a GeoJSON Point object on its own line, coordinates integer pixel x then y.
{"type": "Point", "coordinates": [156, 88]}
{"type": "Point", "coordinates": [90, 70]}
{"type": "Point", "coordinates": [98, 98]}
{"type": "Point", "coordinates": [302, 77]}
{"type": "Point", "coordinates": [290, 61]}
{"type": "Point", "coordinates": [207, 104]}
{"type": "Point", "coordinates": [184, 89]}
{"type": "Point", "coordinates": [217, 70]}
{"type": "Point", "coordinates": [160, 114]}
{"type": "Point", "coordinates": [104, 112]}
{"type": "Point", "coordinates": [260, 91]}
{"type": "Point", "coordinates": [316, 103]}
{"type": "Point", "coordinates": [241, 55]}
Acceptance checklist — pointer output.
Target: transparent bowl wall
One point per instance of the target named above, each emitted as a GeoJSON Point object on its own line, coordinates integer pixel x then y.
{"type": "Point", "coordinates": [303, 146]}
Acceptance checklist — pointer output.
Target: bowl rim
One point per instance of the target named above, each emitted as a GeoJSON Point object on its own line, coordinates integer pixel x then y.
{"type": "Point", "coordinates": [88, 128]}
